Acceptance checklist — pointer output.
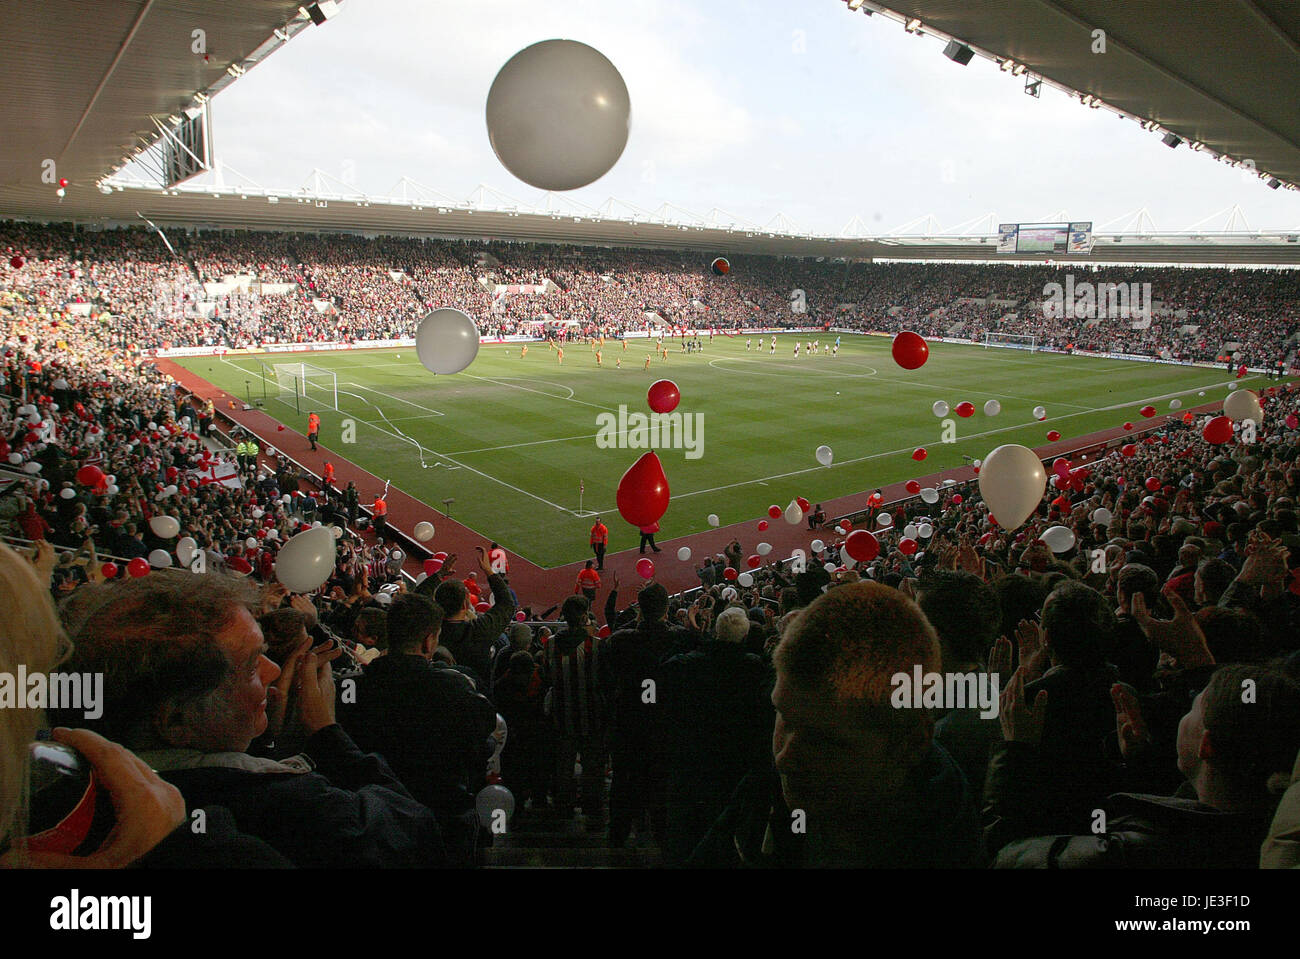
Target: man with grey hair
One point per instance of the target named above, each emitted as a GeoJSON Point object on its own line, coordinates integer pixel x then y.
{"type": "Point", "coordinates": [718, 718]}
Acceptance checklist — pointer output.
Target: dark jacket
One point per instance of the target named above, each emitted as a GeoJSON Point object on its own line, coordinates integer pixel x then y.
{"type": "Point", "coordinates": [1149, 832]}
{"type": "Point", "coordinates": [350, 812]}
{"type": "Point", "coordinates": [938, 828]}
{"type": "Point", "coordinates": [629, 658]}
{"type": "Point", "coordinates": [429, 725]}
{"type": "Point", "coordinates": [471, 641]}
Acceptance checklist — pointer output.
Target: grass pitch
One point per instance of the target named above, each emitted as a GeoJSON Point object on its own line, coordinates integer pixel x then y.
{"type": "Point", "coordinates": [513, 437]}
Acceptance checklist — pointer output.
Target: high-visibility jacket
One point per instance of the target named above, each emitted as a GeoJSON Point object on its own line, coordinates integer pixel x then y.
{"type": "Point", "coordinates": [599, 534]}
{"type": "Point", "coordinates": [313, 423]}
{"type": "Point", "coordinates": [241, 449]}
{"type": "Point", "coordinates": [380, 508]}
{"type": "Point", "coordinates": [253, 448]}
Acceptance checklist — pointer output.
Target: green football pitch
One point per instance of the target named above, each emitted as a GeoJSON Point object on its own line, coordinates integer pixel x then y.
{"type": "Point", "coordinates": [512, 438]}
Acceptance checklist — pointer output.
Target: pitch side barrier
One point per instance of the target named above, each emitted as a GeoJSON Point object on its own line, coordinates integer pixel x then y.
{"type": "Point", "coordinates": [1136, 357]}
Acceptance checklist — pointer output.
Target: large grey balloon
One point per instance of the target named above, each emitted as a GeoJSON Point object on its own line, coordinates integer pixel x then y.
{"type": "Point", "coordinates": [558, 115]}
{"type": "Point", "coordinates": [446, 341]}
{"type": "Point", "coordinates": [305, 561]}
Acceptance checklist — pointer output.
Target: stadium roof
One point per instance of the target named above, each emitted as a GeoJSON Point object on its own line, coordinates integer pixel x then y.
{"type": "Point", "coordinates": [89, 98]}
{"type": "Point", "coordinates": [1223, 74]}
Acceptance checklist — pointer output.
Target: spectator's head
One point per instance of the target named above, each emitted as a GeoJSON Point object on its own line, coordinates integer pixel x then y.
{"type": "Point", "coordinates": [589, 564]}
{"type": "Point", "coordinates": [453, 597]}
{"type": "Point", "coordinates": [1238, 742]}
{"type": "Point", "coordinates": [1213, 577]}
{"type": "Point", "coordinates": [520, 636]}
{"type": "Point", "coordinates": [413, 624]}
{"type": "Point", "coordinates": [732, 626]}
{"type": "Point", "coordinates": [1189, 555]}
{"type": "Point", "coordinates": [652, 600]}
{"type": "Point", "coordinates": [182, 657]}
{"type": "Point", "coordinates": [964, 611]}
{"type": "Point", "coordinates": [1019, 597]}
{"type": "Point", "coordinates": [1137, 578]}
{"type": "Point", "coordinates": [30, 636]}
{"type": "Point", "coordinates": [574, 611]}
{"type": "Point", "coordinates": [841, 749]}
{"type": "Point", "coordinates": [371, 627]}
{"type": "Point", "coordinates": [1078, 623]}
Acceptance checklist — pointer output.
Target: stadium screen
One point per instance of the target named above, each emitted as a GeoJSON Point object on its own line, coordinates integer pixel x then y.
{"type": "Point", "coordinates": [1053, 238]}
{"type": "Point", "coordinates": [190, 153]}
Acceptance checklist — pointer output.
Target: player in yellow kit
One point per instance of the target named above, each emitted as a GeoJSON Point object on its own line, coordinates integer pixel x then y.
{"type": "Point", "coordinates": [559, 354]}
{"type": "Point", "coordinates": [598, 362]}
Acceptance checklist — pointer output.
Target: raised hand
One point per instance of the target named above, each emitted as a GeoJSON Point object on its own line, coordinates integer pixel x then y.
{"type": "Point", "coordinates": [1180, 637]}
{"type": "Point", "coordinates": [1033, 653]}
{"type": "Point", "coordinates": [1130, 728]}
{"type": "Point", "coordinates": [1021, 722]}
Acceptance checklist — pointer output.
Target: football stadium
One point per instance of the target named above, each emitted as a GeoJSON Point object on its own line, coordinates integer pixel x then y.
{"type": "Point", "coordinates": [404, 527]}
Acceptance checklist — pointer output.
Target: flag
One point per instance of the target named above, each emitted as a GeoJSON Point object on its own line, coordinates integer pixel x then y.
{"type": "Point", "coordinates": [582, 488]}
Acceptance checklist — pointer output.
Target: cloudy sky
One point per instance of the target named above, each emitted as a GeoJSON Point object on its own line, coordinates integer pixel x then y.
{"type": "Point", "coordinates": [755, 107]}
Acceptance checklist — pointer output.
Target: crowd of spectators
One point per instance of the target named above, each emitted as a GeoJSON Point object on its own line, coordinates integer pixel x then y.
{"type": "Point", "coordinates": [1150, 670]}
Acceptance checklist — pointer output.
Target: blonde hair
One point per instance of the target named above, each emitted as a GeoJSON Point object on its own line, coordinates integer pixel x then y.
{"type": "Point", "coordinates": [30, 636]}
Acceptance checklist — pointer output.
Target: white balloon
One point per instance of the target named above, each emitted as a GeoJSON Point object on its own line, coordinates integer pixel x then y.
{"type": "Point", "coordinates": [558, 115]}
{"type": "Point", "coordinates": [1243, 405]}
{"type": "Point", "coordinates": [421, 578]}
{"type": "Point", "coordinates": [258, 513]}
{"type": "Point", "coordinates": [160, 559]}
{"type": "Point", "coordinates": [1011, 482]}
{"type": "Point", "coordinates": [840, 530]}
{"type": "Point", "coordinates": [185, 547]}
{"type": "Point", "coordinates": [15, 458]}
{"type": "Point", "coordinates": [1231, 387]}
{"type": "Point", "coordinates": [165, 527]}
{"type": "Point", "coordinates": [762, 549]}
{"type": "Point", "coordinates": [1058, 538]}
{"type": "Point", "coordinates": [489, 800]}
{"type": "Point", "coordinates": [152, 425]}
{"type": "Point", "coordinates": [251, 542]}
{"type": "Point", "coordinates": [424, 531]}
{"type": "Point", "coordinates": [306, 560]}
{"type": "Point", "coordinates": [31, 466]}
{"type": "Point", "coordinates": [338, 533]}
{"type": "Point", "coordinates": [925, 531]}
{"type": "Point", "coordinates": [272, 533]}
{"type": "Point", "coordinates": [67, 493]}
{"type": "Point", "coordinates": [112, 490]}
{"type": "Point", "coordinates": [1175, 404]}
{"type": "Point", "coordinates": [1039, 412]}
{"type": "Point", "coordinates": [992, 408]}
{"type": "Point", "coordinates": [110, 479]}
{"type": "Point", "coordinates": [818, 546]}
{"type": "Point", "coordinates": [730, 593]}
{"type": "Point", "coordinates": [286, 499]}
{"type": "Point", "coordinates": [713, 519]}
{"type": "Point", "coordinates": [830, 568]}
{"type": "Point", "coordinates": [824, 455]}
{"type": "Point", "coordinates": [940, 408]}
{"type": "Point", "coordinates": [170, 490]}
{"type": "Point", "coordinates": [745, 579]}
{"type": "Point", "coordinates": [446, 341]}
{"type": "Point", "coordinates": [910, 531]}
{"type": "Point", "coordinates": [845, 558]}
{"type": "Point", "coordinates": [930, 495]}
{"type": "Point", "coordinates": [793, 514]}
{"type": "Point", "coordinates": [1102, 516]}
{"type": "Point", "coordinates": [383, 599]}
{"type": "Point", "coordinates": [884, 519]}
{"type": "Point", "coordinates": [396, 555]}
{"type": "Point", "coordinates": [684, 554]}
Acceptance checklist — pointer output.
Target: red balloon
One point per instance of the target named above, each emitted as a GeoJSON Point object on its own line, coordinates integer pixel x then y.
{"type": "Point", "coordinates": [956, 499]}
{"type": "Point", "coordinates": [913, 487]}
{"type": "Point", "coordinates": [1153, 484]}
{"type": "Point", "coordinates": [642, 496]}
{"type": "Point", "coordinates": [138, 567]}
{"type": "Point", "coordinates": [754, 561]}
{"type": "Point", "coordinates": [775, 512]}
{"type": "Point", "coordinates": [976, 469]}
{"type": "Point", "coordinates": [16, 262]}
{"type": "Point", "coordinates": [432, 566]}
{"type": "Point", "coordinates": [1128, 426]}
{"type": "Point", "coordinates": [919, 453]}
{"type": "Point", "coordinates": [663, 396]}
{"type": "Point", "coordinates": [63, 181]}
{"type": "Point", "coordinates": [964, 409]}
{"type": "Point", "coordinates": [280, 428]}
{"type": "Point", "coordinates": [1061, 481]}
{"type": "Point", "coordinates": [481, 607]}
{"type": "Point", "coordinates": [1148, 411]}
{"type": "Point", "coordinates": [804, 505]}
{"type": "Point", "coordinates": [762, 525]}
{"type": "Point", "coordinates": [862, 546]}
{"type": "Point", "coordinates": [1060, 465]}
{"type": "Point", "coordinates": [109, 570]}
{"type": "Point", "coordinates": [721, 266]}
{"type": "Point", "coordinates": [847, 524]}
{"type": "Point", "coordinates": [603, 632]}
{"type": "Point", "coordinates": [910, 350]}
{"type": "Point", "coordinates": [907, 546]}
{"type": "Point", "coordinates": [1218, 430]}
{"type": "Point", "coordinates": [1291, 421]}
{"type": "Point", "coordinates": [1053, 436]}
{"type": "Point", "coordinates": [727, 573]}
{"type": "Point", "coordinates": [1129, 449]}
{"type": "Point", "coordinates": [1187, 417]}
{"type": "Point", "coordinates": [91, 476]}
{"type": "Point", "coordinates": [519, 616]}
{"type": "Point", "coordinates": [172, 472]}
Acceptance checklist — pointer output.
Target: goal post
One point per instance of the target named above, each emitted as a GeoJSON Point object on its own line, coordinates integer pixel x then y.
{"type": "Point", "coordinates": [1014, 341]}
{"type": "Point", "coordinates": [307, 385]}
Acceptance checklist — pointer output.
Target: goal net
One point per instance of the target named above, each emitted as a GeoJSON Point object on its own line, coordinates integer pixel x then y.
{"type": "Point", "coordinates": [302, 383]}
{"type": "Point", "coordinates": [1014, 341]}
